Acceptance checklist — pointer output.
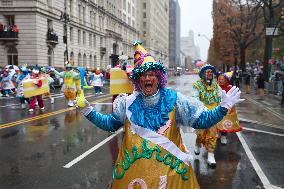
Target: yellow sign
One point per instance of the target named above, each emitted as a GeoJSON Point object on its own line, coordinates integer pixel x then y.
{"type": "Point", "coordinates": [30, 89]}
{"type": "Point", "coordinates": [119, 82]}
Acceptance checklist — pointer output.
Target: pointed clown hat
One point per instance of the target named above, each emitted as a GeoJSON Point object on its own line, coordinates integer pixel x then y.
{"type": "Point", "coordinates": [143, 62]}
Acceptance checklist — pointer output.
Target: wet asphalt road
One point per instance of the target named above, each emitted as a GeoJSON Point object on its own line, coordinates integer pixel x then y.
{"type": "Point", "coordinates": [36, 147]}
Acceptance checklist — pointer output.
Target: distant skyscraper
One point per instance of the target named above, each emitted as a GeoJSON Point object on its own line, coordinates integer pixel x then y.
{"type": "Point", "coordinates": [188, 46]}
{"type": "Point", "coordinates": [174, 34]}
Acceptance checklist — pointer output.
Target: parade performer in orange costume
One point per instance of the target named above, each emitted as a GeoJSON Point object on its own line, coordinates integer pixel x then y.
{"type": "Point", "coordinates": [230, 123]}
{"type": "Point", "coordinates": [151, 154]}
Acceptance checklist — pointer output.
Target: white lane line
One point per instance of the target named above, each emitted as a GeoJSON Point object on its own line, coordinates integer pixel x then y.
{"type": "Point", "coordinates": [82, 156]}
{"type": "Point", "coordinates": [254, 163]}
{"type": "Point", "coordinates": [266, 108]}
{"type": "Point", "coordinates": [266, 132]}
{"type": "Point", "coordinates": [9, 105]}
{"type": "Point", "coordinates": [101, 103]}
{"type": "Point", "coordinates": [261, 123]}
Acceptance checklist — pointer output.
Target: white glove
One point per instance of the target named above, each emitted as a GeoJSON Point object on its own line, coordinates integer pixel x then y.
{"type": "Point", "coordinates": [231, 98]}
{"type": "Point", "coordinates": [52, 69]}
{"type": "Point", "coordinates": [84, 110]}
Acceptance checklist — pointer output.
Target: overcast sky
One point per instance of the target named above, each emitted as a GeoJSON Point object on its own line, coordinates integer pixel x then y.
{"type": "Point", "coordinates": [196, 15]}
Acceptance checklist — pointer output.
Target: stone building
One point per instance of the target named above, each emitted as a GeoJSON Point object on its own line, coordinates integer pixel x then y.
{"type": "Point", "coordinates": [98, 31]}
{"type": "Point", "coordinates": [155, 28]}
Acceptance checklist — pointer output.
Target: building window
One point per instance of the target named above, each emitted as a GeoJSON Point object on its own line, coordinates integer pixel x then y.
{"type": "Point", "coordinates": [91, 19]}
{"type": "Point", "coordinates": [7, 3]}
{"type": "Point", "coordinates": [84, 61]}
{"type": "Point", "coordinates": [10, 20]}
{"type": "Point", "coordinates": [79, 36]}
{"type": "Point", "coordinates": [71, 60]}
{"type": "Point", "coordinates": [71, 35]}
{"type": "Point", "coordinates": [144, 14]}
{"type": "Point", "coordinates": [95, 61]}
{"type": "Point", "coordinates": [91, 61]}
{"type": "Point", "coordinates": [144, 25]}
{"type": "Point", "coordinates": [50, 57]}
{"type": "Point", "coordinates": [95, 17]}
{"type": "Point", "coordinates": [95, 41]}
{"type": "Point", "coordinates": [12, 55]}
{"type": "Point", "coordinates": [71, 7]}
{"type": "Point", "coordinates": [129, 8]}
{"type": "Point", "coordinates": [124, 4]}
{"type": "Point", "coordinates": [144, 5]}
{"type": "Point", "coordinates": [90, 39]}
{"type": "Point", "coordinates": [84, 15]}
{"type": "Point", "coordinates": [49, 3]}
{"type": "Point", "coordinates": [133, 11]}
{"type": "Point", "coordinates": [65, 56]}
{"type": "Point", "coordinates": [101, 41]}
{"type": "Point", "coordinates": [79, 60]}
{"type": "Point", "coordinates": [79, 13]}
{"type": "Point", "coordinates": [124, 17]}
{"type": "Point", "coordinates": [84, 37]}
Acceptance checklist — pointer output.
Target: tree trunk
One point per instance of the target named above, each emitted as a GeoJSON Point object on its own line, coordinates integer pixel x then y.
{"type": "Point", "coordinates": [243, 59]}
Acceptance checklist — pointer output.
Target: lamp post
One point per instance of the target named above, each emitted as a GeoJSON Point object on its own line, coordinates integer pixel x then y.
{"type": "Point", "coordinates": [65, 19]}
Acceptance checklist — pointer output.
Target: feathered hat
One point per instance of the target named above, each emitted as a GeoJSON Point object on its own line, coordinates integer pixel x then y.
{"type": "Point", "coordinates": [143, 62]}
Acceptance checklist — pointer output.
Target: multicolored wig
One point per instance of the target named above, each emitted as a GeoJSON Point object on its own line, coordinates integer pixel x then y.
{"type": "Point", "coordinates": [143, 62]}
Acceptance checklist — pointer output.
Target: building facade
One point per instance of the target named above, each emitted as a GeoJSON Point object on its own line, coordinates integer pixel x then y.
{"type": "Point", "coordinates": [96, 32]}
{"type": "Point", "coordinates": [154, 19]}
{"type": "Point", "coordinates": [188, 46]}
{"type": "Point", "coordinates": [174, 34]}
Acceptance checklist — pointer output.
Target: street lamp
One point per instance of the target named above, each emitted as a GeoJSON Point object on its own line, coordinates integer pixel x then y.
{"type": "Point", "coordinates": [65, 19]}
{"type": "Point", "coordinates": [202, 35]}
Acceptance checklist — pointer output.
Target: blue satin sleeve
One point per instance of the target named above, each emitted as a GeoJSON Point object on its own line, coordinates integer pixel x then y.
{"type": "Point", "coordinates": [108, 122]}
{"type": "Point", "coordinates": [210, 118]}
{"type": "Point", "coordinates": [192, 112]}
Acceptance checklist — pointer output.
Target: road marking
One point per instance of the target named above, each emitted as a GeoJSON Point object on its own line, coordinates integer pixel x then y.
{"type": "Point", "coordinates": [266, 132]}
{"type": "Point", "coordinates": [261, 123]}
{"type": "Point", "coordinates": [85, 154]}
{"type": "Point", "coordinates": [266, 108]}
{"type": "Point", "coordinates": [107, 103]}
{"type": "Point", "coordinates": [254, 163]}
{"type": "Point", "coordinates": [11, 124]}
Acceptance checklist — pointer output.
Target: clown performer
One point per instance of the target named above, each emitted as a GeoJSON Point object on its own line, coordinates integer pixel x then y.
{"type": "Point", "coordinates": [230, 123]}
{"type": "Point", "coordinates": [50, 81]}
{"type": "Point", "coordinates": [151, 153]}
{"type": "Point", "coordinates": [71, 85]}
{"type": "Point", "coordinates": [97, 81]}
{"type": "Point", "coordinates": [208, 92]}
{"type": "Point", "coordinates": [7, 83]}
{"type": "Point", "coordinates": [24, 74]}
{"type": "Point", "coordinates": [38, 82]}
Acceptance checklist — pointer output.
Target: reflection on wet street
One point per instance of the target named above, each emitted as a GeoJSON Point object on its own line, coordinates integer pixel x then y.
{"type": "Point", "coordinates": [34, 148]}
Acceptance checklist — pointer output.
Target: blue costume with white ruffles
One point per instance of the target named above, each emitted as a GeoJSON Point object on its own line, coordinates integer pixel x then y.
{"type": "Point", "coordinates": [151, 112]}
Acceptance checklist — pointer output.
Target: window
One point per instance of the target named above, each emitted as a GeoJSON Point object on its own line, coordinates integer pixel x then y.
{"type": "Point", "coordinates": [90, 60]}
{"type": "Point", "coordinates": [95, 41]}
{"type": "Point", "coordinates": [124, 17]}
{"type": "Point", "coordinates": [79, 13]}
{"type": "Point", "coordinates": [84, 15]}
{"type": "Point", "coordinates": [71, 60]}
{"type": "Point", "coordinates": [91, 19]}
{"type": "Point", "coordinates": [84, 61]}
{"type": "Point", "coordinates": [71, 7]}
{"type": "Point", "coordinates": [50, 57]}
{"type": "Point", "coordinates": [144, 25]}
{"type": "Point", "coordinates": [133, 11]}
{"type": "Point", "coordinates": [129, 21]}
{"type": "Point", "coordinates": [124, 4]}
{"type": "Point", "coordinates": [71, 35]}
{"type": "Point", "coordinates": [95, 61]}
{"type": "Point", "coordinates": [144, 14]}
{"type": "Point", "coordinates": [84, 37]}
{"type": "Point", "coordinates": [129, 8]}
{"type": "Point", "coordinates": [10, 20]}
{"type": "Point", "coordinates": [144, 5]}
{"type": "Point", "coordinates": [101, 41]}
{"type": "Point", "coordinates": [95, 17]}
{"type": "Point", "coordinates": [90, 39]}
{"type": "Point", "coordinates": [79, 60]}
{"type": "Point", "coordinates": [79, 36]}
{"type": "Point", "coordinates": [12, 55]}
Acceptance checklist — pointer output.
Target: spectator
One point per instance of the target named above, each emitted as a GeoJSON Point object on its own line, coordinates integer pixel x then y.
{"type": "Point", "coordinates": [247, 83]}
{"type": "Point", "coordinates": [260, 85]}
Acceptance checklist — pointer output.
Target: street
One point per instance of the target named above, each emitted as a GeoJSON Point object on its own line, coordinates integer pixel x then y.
{"type": "Point", "coordinates": [59, 148]}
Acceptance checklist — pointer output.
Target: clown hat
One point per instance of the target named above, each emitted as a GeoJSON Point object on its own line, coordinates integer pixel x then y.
{"type": "Point", "coordinates": [206, 67]}
{"type": "Point", "coordinates": [143, 62]}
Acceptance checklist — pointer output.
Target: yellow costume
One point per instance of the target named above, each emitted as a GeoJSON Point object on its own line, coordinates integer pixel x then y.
{"type": "Point", "coordinates": [161, 169]}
